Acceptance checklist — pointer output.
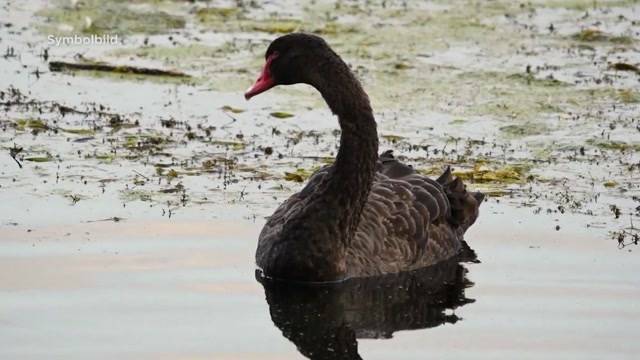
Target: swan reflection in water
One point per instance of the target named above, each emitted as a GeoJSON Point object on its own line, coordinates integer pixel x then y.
{"type": "Point", "coordinates": [325, 321]}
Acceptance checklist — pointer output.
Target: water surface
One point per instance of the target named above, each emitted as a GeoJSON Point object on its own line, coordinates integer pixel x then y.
{"type": "Point", "coordinates": [187, 289]}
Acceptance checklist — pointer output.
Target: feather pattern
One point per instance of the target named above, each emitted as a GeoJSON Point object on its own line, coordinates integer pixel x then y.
{"type": "Point", "coordinates": [406, 222]}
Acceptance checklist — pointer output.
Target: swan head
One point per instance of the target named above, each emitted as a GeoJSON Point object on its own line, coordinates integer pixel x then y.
{"type": "Point", "coordinates": [290, 59]}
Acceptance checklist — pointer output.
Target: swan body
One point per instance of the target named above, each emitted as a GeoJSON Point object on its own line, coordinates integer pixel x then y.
{"type": "Point", "coordinates": [364, 215]}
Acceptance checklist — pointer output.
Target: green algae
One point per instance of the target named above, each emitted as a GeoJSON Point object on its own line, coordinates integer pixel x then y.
{"type": "Point", "coordinates": [276, 26]}
{"type": "Point", "coordinates": [614, 145]}
{"type": "Point", "coordinates": [518, 96]}
{"type": "Point", "coordinates": [219, 19]}
{"type": "Point", "coordinates": [281, 114]}
{"type": "Point", "coordinates": [629, 96]}
{"type": "Point", "coordinates": [137, 195]}
{"type": "Point", "coordinates": [171, 174]}
{"type": "Point", "coordinates": [300, 174]}
{"type": "Point", "coordinates": [593, 35]}
{"type": "Point", "coordinates": [510, 174]}
{"type": "Point", "coordinates": [402, 66]}
{"type": "Point", "coordinates": [232, 109]}
{"type": "Point", "coordinates": [231, 144]}
{"type": "Point", "coordinates": [103, 158]}
{"type": "Point", "coordinates": [174, 55]}
{"type": "Point", "coordinates": [99, 17]}
{"type": "Point", "coordinates": [36, 124]}
{"type": "Point", "coordinates": [40, 159]}
{"type": "Point", "coordinates": [79, 131]}
{"type": "Point", "coordinates": [392, 138]}
{"type": "Point", "coordinates": [585, 5]}
{"type": "Point", "coordinates": [525, 129]}
{"type": "Point", "coordinates": [217, 13]}
{"type": "Point", "coordinates": [334, 28]}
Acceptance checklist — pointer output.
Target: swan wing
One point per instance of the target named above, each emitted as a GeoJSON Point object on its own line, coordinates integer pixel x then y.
{"type": "Point", "coordinates": [403, 224]}
{"type": "Point", "coordinates": [437, 203]}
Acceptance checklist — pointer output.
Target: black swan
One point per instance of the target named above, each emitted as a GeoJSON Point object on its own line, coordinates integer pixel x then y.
{"type": "Point", "coordinates": [364, 215]}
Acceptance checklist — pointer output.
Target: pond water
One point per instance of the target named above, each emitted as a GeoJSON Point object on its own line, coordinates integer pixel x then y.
{"type": "Point", "coordinates": [187, 289]}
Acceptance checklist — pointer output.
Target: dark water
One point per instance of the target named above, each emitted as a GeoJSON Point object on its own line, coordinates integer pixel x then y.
{"type": "Point", "coordinates": [325, 322]}
{"type": "Point", "coordinates": [185, 289]}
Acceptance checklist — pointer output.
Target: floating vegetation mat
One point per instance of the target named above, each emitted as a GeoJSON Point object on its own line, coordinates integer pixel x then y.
{"type": "Point", "coordinates": [535, 104]}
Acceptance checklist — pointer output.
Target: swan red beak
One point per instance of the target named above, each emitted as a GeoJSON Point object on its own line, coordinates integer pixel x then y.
{"type": "Point", "coordinates": [264, 82]}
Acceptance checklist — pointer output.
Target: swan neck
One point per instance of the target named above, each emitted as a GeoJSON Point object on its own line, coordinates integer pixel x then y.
{"type": "Point", "coordinates": [355, 165]}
